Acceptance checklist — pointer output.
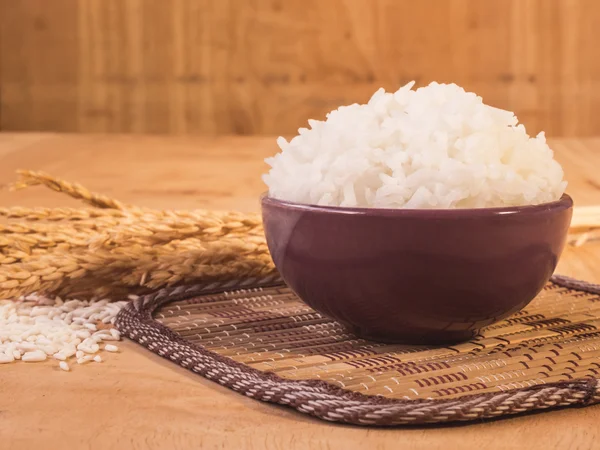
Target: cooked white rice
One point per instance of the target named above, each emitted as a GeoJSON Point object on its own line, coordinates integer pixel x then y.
{"type": "Point", "coordinates": [434, 147]}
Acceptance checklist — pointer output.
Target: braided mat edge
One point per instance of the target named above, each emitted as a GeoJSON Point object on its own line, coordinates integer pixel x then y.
{"type": "Point", "coordinates": [328, 402]}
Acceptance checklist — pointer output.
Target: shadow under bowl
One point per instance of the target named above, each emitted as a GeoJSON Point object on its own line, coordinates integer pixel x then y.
{"type": "Point", "coordinates": [416, 276]}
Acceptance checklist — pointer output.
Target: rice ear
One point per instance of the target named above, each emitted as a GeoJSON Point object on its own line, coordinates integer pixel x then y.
{"type": "Point", "coordinates": [117, 249]}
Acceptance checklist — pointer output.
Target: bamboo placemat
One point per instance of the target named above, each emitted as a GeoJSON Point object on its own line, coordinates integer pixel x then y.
{"type": "Point", "coordinates": [257, 338]}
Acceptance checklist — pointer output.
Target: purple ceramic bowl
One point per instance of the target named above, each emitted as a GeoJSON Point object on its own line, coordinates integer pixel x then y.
{"type": "Point", "coordinates": [416, 276]}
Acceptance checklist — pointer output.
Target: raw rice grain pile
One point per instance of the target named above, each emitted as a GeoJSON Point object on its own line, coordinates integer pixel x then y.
{"type": "Point", "coordinates": [434, 147]}
{"type": "Point", "coordinates": [36, 328]}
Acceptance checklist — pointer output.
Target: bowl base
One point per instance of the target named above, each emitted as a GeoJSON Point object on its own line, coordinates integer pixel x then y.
{"type": "Point", "coordinates": [439, 337]}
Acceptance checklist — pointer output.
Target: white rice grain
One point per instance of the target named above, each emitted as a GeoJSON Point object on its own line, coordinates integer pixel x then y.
{"type": "Point", "coordinates": [34, 356]}
{"type": "Point", "coordinates": [436, 147]}
{"type": "Point", "coordinates": [34, 328]}
{"type": "Point", "coordinates": [6, 358]}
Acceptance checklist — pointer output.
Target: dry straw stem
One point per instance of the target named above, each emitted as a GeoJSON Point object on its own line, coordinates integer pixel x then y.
{"type": "Point", "coordinates": [111, 249]}
{"type": "Point", "coordinates": [585, 226]}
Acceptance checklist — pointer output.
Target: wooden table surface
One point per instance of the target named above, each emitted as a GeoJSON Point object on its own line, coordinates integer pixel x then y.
{"type": "Point", "coordinates": [136, 400]}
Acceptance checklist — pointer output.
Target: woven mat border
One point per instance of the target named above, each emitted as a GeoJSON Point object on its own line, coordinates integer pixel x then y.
{"type": "Point", "coordinates": [329, 402]}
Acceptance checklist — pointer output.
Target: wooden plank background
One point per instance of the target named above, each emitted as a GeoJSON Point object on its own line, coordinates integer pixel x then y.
{"type": "Point", "coordinates": [266, 66]}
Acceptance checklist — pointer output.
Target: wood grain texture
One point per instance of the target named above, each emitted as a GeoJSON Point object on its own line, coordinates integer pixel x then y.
{"type": "Point", "coordinates": [137, 400]}
{"type": "Point", "coordinates": [266, 66]}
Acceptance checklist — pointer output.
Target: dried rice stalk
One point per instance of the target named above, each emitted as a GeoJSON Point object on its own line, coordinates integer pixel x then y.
{"type": "Point", "coordinates": [585, 226]}
{"type": "Point", "coordinates": [137, 267]}
{"type": "Point", "coordinates": [31, 178]}
{"type": "Point", "coordinates": [114, 249]}
{"type": "Point", "coordinates": [131, 221]}
{"type": "Point", "coordinates": [577, 239]}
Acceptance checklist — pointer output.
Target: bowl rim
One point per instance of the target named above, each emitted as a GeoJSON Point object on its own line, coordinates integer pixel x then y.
{"type": "Point", "coordinates": [565, 202]}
